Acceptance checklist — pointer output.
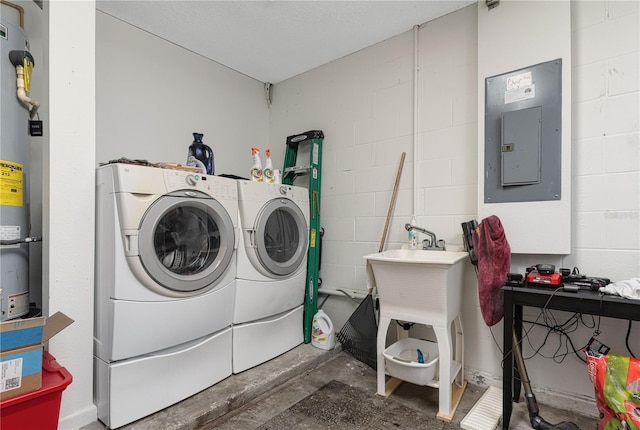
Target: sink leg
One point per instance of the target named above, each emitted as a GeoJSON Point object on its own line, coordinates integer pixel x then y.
{"type": "Point", "coordinates": [459, 355]}
{"type": "Point", "coordinates": [443, 335]}
{"type": "Point", "coordinates": [383, 326]}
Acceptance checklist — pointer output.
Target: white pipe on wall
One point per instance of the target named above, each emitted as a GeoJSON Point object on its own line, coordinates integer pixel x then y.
{"type": "Point", "coordinates": [416, 69]}
{"type": "Point", "coordinates": [352, 294]}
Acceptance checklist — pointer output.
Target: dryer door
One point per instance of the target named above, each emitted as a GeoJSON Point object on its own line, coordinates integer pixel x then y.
{"type": "Point", "coordinates": [186, 243]}
{"type": "Point", "coordinates": [281, 237]}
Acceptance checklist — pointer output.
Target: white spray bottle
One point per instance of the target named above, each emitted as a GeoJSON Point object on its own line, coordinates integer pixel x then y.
{"type": "Point", "coordinates": [268, 167]}
{"type": "Point", "coordinates": [256, 169]}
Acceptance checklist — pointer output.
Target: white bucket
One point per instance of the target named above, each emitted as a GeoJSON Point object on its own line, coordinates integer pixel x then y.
{"type": "Point", "coordinates": [322, 335]}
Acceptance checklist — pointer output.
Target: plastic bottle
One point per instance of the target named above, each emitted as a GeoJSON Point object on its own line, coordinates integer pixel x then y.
{"type": "Point", "coordinates": [256, 169]}
{"type": "Point", "coordinates": [200, 155]}
{"type": "Point", "coordinates": [268, 168]}
{"type": "Point", "coordinates": [322, 334]}
{"type": "Point", "coordinates": [413, 239]}
{"type": "Point", "coordinates": [277, 176]}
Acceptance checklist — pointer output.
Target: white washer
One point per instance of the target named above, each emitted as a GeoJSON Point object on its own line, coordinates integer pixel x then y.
{"type": "Point", "coordinates": [271, 272]}
{"type": "Point", "coordinates": [164, 287]}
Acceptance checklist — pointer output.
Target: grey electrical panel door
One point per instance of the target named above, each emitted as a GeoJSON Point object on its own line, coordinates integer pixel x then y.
{"type": "Point", "coordinates": [520, 148]}
{"type": "Point", "coordinates": [523, 145]}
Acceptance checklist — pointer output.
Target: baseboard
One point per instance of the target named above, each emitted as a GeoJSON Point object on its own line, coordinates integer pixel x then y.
{"type": "Point", "coordinates": [78, 419]}
{"type": "Point", "coordinates": [578, 403]}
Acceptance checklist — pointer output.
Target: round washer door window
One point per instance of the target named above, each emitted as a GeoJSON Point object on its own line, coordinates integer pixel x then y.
{"type": "Point", "coordinates": [186, 244]}
{"type": "Point", "coordinates": [282, 237]}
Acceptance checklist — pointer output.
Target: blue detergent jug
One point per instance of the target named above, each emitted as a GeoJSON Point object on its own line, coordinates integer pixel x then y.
{"type": "Point", "coordinates": [200, 155]}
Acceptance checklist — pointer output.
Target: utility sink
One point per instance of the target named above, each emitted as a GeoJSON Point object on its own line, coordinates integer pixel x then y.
{"type": "Point", "coordinates": [418, 256]}
{"type": "Point", "coordinates": [425, 287]}
{"type": "Point", "coordinates": [420, 284]}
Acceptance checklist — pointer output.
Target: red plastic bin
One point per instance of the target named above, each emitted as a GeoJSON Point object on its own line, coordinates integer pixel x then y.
{"type": "Point", "coordinates": [39, 409]}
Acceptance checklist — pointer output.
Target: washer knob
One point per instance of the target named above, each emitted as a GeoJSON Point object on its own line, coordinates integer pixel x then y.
{"type": "Point", "coordinates": [191, 179]}
{"type": "Point", "coordinates": [283, 190]}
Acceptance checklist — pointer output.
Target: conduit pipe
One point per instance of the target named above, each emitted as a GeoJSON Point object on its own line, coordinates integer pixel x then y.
{"type": "Point", "coordinates": [22, 94]}
{"type": "Point", "coordinates": [416, 69]}
{"type": "Point", "coordinates": [353, 295]}
{"type": "Point", "coordinates": [18, 8]}
{"type": "Point", "coordinates": [17, 58]}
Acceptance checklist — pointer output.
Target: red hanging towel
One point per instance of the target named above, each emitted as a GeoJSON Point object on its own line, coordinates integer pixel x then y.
{"type": "Point", "coordinates": [494, 262]}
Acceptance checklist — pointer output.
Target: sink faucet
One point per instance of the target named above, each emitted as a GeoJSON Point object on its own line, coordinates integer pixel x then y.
{"type": "Point", "coordinates": [431, 242]}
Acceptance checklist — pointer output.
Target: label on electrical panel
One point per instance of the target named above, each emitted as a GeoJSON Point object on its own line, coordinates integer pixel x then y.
{"type": "Point", "coordinates": [518, 81]}
{"type": "Point", "coordinates": [11, 183]}
{"type": "Point", "coordinates": [518, 94]}
{"type": "Point", "coordinates": [519, 87]}
{"type": "Point", "coordinates": [11, 374]}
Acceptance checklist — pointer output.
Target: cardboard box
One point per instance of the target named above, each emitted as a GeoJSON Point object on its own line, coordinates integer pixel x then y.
{"type": "Point", "coordinates": [21, 347]}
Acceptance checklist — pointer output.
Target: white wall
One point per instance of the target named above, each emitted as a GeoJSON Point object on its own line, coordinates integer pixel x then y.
{"type": "Point", "coordinates": [511, 37]}
{"type": "Point", "coordinates": [151, 95]}
{"type": "Point", "coordinates": [363, 103]}
{"type": "Point", "coordinates": [68, 196]}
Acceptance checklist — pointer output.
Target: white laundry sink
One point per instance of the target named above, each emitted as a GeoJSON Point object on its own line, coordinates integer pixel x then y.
{"type": "Point", "coordinates": [418, 256]}
{"type": "Point", "coordinates": [419, 285]}
{"type": "Point", "coordinates": [425, 287]}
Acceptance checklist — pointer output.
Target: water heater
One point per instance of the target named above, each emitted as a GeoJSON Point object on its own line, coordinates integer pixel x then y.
{"type": "Point", "coordinates": [14, 171]}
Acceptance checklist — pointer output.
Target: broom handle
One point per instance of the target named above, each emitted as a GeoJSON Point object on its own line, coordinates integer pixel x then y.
{"type": "Point", "coordinates": [392, 203]}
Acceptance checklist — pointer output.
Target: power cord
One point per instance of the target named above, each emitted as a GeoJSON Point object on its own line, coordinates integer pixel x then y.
{"type": "Point", "coordinates": [626, 339]}
{"type": "Point", "coordinates": [526, 333]}
{"type": "Point", "coordinates": [563, 330]}
{"type": "Point", "coordinates": [565, 343]}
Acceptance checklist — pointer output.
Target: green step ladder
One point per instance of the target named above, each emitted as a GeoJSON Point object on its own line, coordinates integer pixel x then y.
{"type": "Point", "coordinates": [291, 171]}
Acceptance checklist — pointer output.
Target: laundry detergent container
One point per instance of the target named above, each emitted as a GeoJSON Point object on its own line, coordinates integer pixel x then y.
{"type": "Point", "coordinates": [401, 360]}
{"type": "Point", "coordinates": [39, 409]}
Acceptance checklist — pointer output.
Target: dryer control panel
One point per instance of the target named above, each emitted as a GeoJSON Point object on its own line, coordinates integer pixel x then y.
{"type": "Point", "coordinates": [217, 187]}
{"type": "Point", "coordinates": [298, 194]}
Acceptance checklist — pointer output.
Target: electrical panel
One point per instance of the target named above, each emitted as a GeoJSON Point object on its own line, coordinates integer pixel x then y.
{"type": "Point", "coordinates": [522, 154]}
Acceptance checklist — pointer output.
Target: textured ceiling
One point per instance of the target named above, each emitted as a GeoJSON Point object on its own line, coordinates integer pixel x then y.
{"type": "Point", "coordinates": [274, 40]}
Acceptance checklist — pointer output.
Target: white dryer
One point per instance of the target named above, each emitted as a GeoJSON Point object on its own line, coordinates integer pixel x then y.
{"type": "Point", "coordinates": [164, 287]}
{"type": "Point", "coordinates": [271, 272]}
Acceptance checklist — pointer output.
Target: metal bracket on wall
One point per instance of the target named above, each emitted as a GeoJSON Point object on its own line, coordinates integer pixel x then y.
{"type": "Point", "coordinates": [267, 93]}
{"type": "Point", "coordinates": [492, 3]}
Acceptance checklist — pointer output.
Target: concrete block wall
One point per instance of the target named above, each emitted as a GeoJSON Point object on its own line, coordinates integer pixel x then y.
{"type": "Point", "coordinates": [606, 144]}
{"type": "Point", "coordinates": [368, 124]}
{"type": "Point", "coordinates": [364, 105]}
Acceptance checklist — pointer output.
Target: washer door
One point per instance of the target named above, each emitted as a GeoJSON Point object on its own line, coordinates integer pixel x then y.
{"type": "Point", "coordinates": [186, 243]}
{"type": "Point", "coordinates": [281, 237]}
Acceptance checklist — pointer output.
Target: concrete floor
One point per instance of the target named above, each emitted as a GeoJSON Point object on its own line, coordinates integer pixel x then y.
{"type": "Point", "coordinates": [258, 397]}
